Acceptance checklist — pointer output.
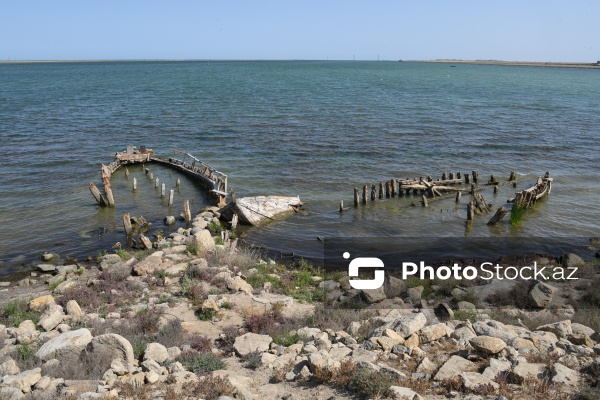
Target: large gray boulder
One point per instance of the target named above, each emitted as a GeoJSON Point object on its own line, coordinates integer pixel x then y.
{"type": "Point", "coordinates": [250, 343]}
{"type": "Point", "coordinates": [409, 324]}
{"type": "Point", "coordinates": [203, 242]}
{"type": "Point", "coordinates": [109, 347]}
{"type": "Point", "coordinates": [23, 381]}
{"type": "Point", "coordinates": [156, 352]}
{"type": "Point", "coordinates": [52, 317]}
{"type": "Point", "coordinates": [572, 260]}
{"type": "Point", "coordinates": [65, 345]}
{"type": "Point", "coordinates": [541, 294]}
{"type": "Point", "coordinates": [487, 344]}
{"type": "Point", "coordinates": [454, 367]}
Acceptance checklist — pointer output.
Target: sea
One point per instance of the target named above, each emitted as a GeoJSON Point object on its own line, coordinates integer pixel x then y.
{"type": "Point", "coordinates": [314, 129]}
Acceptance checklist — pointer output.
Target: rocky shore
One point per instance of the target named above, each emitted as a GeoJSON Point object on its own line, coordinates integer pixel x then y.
{"type": "Point", "coordinates": [193, 319]}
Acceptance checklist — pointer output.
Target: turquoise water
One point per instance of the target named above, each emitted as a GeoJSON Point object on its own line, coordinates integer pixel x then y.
{"type": "Point", "coordinates": [313, 129]}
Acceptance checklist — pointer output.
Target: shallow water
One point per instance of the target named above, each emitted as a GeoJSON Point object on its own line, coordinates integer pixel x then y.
{"type": "Point", "coordinates": [313, 129]}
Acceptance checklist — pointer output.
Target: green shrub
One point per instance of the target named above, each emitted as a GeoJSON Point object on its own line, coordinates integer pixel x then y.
{"type": "Point", "coordinates": [201, 362]}
{"type": "Point", "coordinates": [206, 314]}
{"type": "Point", "coordinates": [463, 315]}
{"type": "Point", "coordinates": [15, 312]}
{"type": "Point", "coordinates": [139, 347]}
{"type": "Point", "coordinates": [123, 254]}
{"type": "Point", "coordinates": [370, 384]}
{"type": "Point", "coordinates": [516, 214]}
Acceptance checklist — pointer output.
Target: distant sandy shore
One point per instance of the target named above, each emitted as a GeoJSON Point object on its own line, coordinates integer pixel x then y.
{"type": "Point", "coordinates": [519, 63]}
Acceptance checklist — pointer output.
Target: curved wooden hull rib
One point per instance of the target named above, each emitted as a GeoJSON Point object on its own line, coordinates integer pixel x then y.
{"type": "Point", "coordinates": [259, 210]}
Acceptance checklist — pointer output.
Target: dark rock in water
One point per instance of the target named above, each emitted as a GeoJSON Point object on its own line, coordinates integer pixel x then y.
{"type": "Point", "coordinates": [46, 267]}
{"type": "Point", "coordinates": [95, 232]}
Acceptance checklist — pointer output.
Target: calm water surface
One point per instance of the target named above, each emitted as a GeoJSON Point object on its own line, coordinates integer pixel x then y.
{"type": "Point", "coordinates": [313, 129]}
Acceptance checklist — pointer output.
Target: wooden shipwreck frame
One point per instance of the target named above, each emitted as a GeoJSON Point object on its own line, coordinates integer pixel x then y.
{"type": "Point", "coordinates": [213, 181]}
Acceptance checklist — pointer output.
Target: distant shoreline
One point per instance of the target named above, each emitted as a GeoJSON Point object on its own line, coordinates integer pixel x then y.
{"type": "Point", "coordinates": [437, 61]}
{"type": "Point", "coordinates": [518, 63]}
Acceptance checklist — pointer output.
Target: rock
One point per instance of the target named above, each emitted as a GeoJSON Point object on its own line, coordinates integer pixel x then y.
{"type": "Point", "coordinates": [572, 260]}
{"type": "Point", "coordinates": [473, 380]}
{"type": "Point", "coordinates": [23, 381]}
{"type": "Point", "coordinates": [561, 329]}
{"type": "Point", "coordinates": [73, 309]}
{"type": "Point", "coordinates": [51, 317]}
{"type": "Point", "coordinates": [393, 287]}
{"type": "Point", "coordinates": [156, 352]}
{"type": "Point", "coordinates": [541, 294]}
{"type": "Point", "coordinates": [523, 344]}
{"type": "Point", "coordinates": [426, 366]}
{"type": "Point", "coordinates": [494, 329]}
{"type": "Point", "coordinates": [496, 367]}
{"type": "Point", "coordinates": [454, 367]}
{"type": "Point", "coordinates": [169, 220]}
{"type": "Point", "coordinates": [250, 343]}
{"type": "Point", "coordinates": [364, 356]}
{"type": "Point", "coordinates": [40, 303]}
{"type": "Point", "coordinates": [373, 295]}
{"type": "Point", "coordinates": [393, 335]}
{"type": "Point", "coordinates": [149, 265]}
{"type": "Point", "coordinates": [582, 329]}
{"type": "Point", "coordinates": [487, 344]}
{"type": "Point", "coordinates": [113, 344]}
{"type": "Point", "coordinates": [444, 312]}
{"type": "Point", "coordinates": [11, 393]}
{"type": "Point", "coordinates": [9, 367]}
{"type": "Point", "coordinates": [46, 268]}
{"type": "Point", "coordinates": [60, 289]}
{"type": "Point", "coordinates": [412, 342]}
{"type": "Point", "coordinates": [152, 377]}
{"type": "Point", "coordinates": [409, 324]}
{"type": "Point", "coordinates": [238, 284]}
{"type": "Point", "coordinates": [463, 334]}
{"type": "Point", "coordinates": [151, 365]}
{"type": "Point", "coordinates": [526, 370]}
{"type": "Point", "coordinates": [415, 293]}
{"type": "Point", "coordinates": [563, 375]}
{"type": "Point", "coordinates": [65, 345]}
{"type": "Point", "coordinates": [432, 332]}
{"type": "Point", "coordinates": [120, 367]}
{"type": "Point", "coordinates": [203, 242]}
{"type": "Point", "coordinates": [386, 343]}
{"type": "Point", "coordinates": [399, 392]}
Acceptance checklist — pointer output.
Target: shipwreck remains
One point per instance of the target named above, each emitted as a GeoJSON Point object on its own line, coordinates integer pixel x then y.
{"type": "Point", "coordinates": [213, 181]}
{"type": "Point", "coordinates": [260, 209]}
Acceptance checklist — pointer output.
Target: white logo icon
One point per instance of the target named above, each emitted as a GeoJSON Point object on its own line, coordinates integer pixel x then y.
{"type": "Point", "coordinates": [365, 262]}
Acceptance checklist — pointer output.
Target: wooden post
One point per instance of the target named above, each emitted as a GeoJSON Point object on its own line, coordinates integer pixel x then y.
{"type": "Point", "coordinates": [495, 189]}
{"type": "Point", "coordinates": [387, 189]}
{"type": "Point", "coordinates": [513, 176]}
{"type": "Point", "coordinates": [134, 183]}
{"type": "Point", "coordinates": [178, 183]}
{"type": "Point", "coordinates": [356, 197]}
{"type": "Point", "coordinates": [393, 182]}
{"type": "Point", "coordinates": [475, 177]}
{"type": "Point", "coordinates": [232, 192]}
{"type": "Point", "coordinates": [171, 193]}
{"type": "Point", "coordinates": [126, 172]}
{"type": "Point", "coordinates": [458, 197]}
{"type": "Point", "coordinates": [146, 242]}
{"type": "Point", "coordinates": [162, 190]}
{"type": "Point", "coordinates": [444, 176]}
{"type": "Point", "coordinates": [515, 184]}
{"type": "Point", "coordinates": [458, 175]}
{"type": "Point", "coordinates": [470, 211]}
{"type": "Point", "coordinates": [380, 190]}
{"type": "Point", "coordinates": [234, 221]}
{"type": "Point", "coordinates": [151, 176]}
{"type": "Point", "coordinates": [492, 179]}
{"type": "Point", "coordinates": [186, 211]}
{"type": "Point", "coordinates": [147, 171]}
{"type": "Point", "coordinates": [467, 179]}
{"type": "Point", "coordinates": [373, 192]}
{"type": "Point", "coordinates": [451, 175]}
{"type": "Point", "coordinates": [341, 205]}
{"type": "Point", "coordinates": [424, 201]}
{"type": "Point", "coordinates": [101, 200]}
{"type": "Point", "coordinates": [107, 187]}
{"type": "Point", "coordinates": [365, 194]}
{"type": "Point", "coordinates": [429, 178]}
{"type": "Point", "coordinates": [127, 224]}
{"type": "Point", "coordinates": [498, 216]}
{"type": "Point", "coordinates": [156, 183]}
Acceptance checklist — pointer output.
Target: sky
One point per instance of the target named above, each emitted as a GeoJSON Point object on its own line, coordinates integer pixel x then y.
{"type": "Point", "coordinates": [521, 30]}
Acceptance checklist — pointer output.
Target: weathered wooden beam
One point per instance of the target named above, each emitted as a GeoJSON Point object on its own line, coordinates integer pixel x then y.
{"type": "Point", "coordinates": [102, 202]}
{"type": "Point", "coordinates": [365, 194]}
{"type": "Point", "coordinates": [171, 194]}
{"type": "Point", "coordinates": [500, 213]}
{"type": "Point", "coordinates": [134, 183]}
{"type": "Point", "coordinates": [127, 224]}
{"type": "Point", "coordinates": [356, 197]}
{"type": "Point", "coordinates": [187, 212]}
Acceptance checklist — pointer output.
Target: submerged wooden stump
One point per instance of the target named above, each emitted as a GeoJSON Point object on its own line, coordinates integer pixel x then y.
{"type": "Point", "coordinates": [102, 202]}
{"type": "Point", "coordinates": [127, 224]}
{"type": "Point", "coordinates": [500, 213]}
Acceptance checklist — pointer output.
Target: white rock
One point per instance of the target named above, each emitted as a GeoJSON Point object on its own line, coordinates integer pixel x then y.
{"type": "Point", "coordinates": [66, 344]}
{"type": "Point", "coordinates": [156, 352]}
{"type": "Point", "coordinates": [250, 343]}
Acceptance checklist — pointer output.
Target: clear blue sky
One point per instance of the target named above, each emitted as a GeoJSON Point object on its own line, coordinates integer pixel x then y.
{"type": "Point", "coordinates": [519, 30]}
